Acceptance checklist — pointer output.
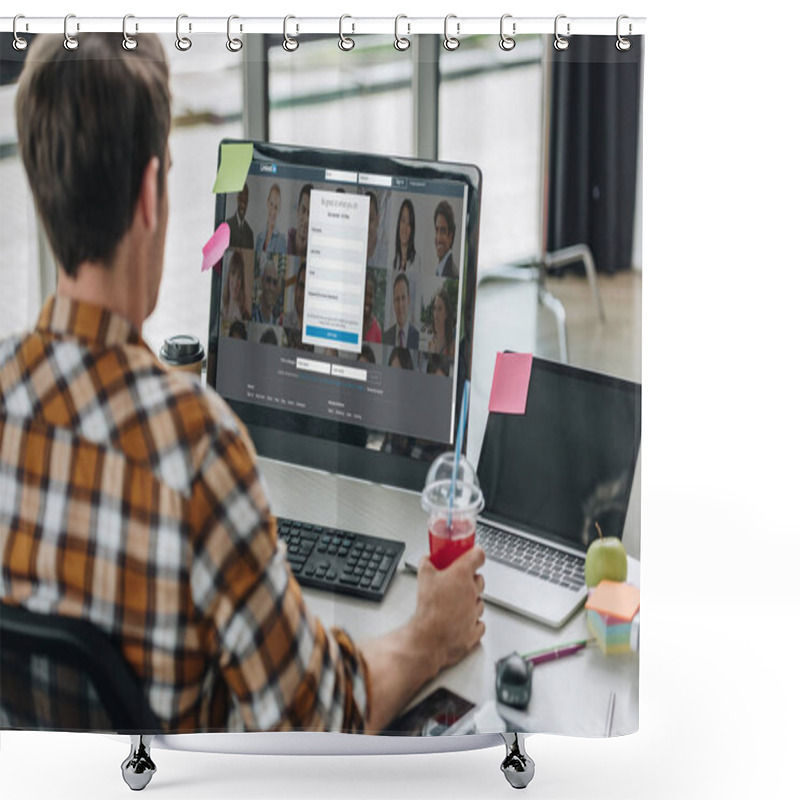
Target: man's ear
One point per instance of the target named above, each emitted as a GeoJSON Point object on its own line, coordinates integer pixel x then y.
{"type": "Point", "coordinates": [149, 195]}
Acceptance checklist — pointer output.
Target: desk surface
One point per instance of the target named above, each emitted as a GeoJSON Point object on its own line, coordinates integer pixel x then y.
{"type": "Point", "coordinates": [569, 697]}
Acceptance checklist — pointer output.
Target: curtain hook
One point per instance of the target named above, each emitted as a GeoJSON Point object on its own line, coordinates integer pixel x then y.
{"type": "Point", "coordinates": [507, 42]}
{"type": "Point", "coordinates": [345, 42]}
{"type": "Point", "coordinates": [128, 42]}
{"type": "Point", "coordinates": [234, 45]}
{"type": "Point", "coordinates": [400, 42]}
{"type": "Point", "coordinates": [559, 42]}
{"type": "Point", "coordinates": [622, 43]}
{"type": "Point", "coordinates": [70, 42]}
{"type": "Point", "coordinates": [289, 44]}
{"type": "Point", "coordinates": [451, 42]}
{"type": "Point", "coordinates": [183, 43]}
{"type": "Point", "coordinates": [19, 42]}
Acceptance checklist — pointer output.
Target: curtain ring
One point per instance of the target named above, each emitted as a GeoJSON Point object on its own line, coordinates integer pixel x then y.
{"type": "Point", "coordinates": [289, 44]}
{"type": "Point", "coordinates": [128, 42]}
{"type": "Point", "coordinates": [507, 42]}
{"type": "Point", "coordinates": [623, 44]}
{"type": "Point", "coordinates": [345, 42]}
{"type": "Point", "coordinates": [400, 42]}
{"type": "Point", "coordinates": [451, 42]}
{"type": "Point", "coordinates": [70, 42]}
{"type": "Point", "coordinates": [183, 43]}
{"type": "Point", "coordinates": [234, 45]}
{"type": "Point", "coordinates": [19, 43]}
{"type": "Point", "coordinates": [559, 42]}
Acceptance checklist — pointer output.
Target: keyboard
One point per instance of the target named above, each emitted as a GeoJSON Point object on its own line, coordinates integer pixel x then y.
{"type": "Point", "coordinates": [535, 558]}
{"type": "Point", "coordinates": [340, 561]}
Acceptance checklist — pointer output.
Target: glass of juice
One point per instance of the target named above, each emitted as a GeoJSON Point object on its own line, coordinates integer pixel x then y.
{"type": "Point", "coordinates": [451, 525]}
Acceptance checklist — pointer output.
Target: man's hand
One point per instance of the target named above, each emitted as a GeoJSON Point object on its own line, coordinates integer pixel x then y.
{"type": "Point", "coordinates": [445, 627]}
{"type": "Point", "coordinates": [449, 607]}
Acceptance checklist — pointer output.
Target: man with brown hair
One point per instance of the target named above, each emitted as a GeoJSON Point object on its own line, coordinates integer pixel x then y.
{"type": "Point", "coordinates": [129, 495]}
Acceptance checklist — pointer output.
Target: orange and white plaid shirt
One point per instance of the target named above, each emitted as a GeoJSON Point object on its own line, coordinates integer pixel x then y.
{"type": "Point", "coordinates": [129, 496]}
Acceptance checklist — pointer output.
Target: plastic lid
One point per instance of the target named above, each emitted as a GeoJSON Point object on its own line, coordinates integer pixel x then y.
{"type": "Point", "coordinates": [182, 349]}
{"type": "Point", "coordinates": [467, 495]}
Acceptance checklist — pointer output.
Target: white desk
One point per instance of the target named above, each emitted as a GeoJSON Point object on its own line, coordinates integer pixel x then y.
{"type": "Point", "coordinates": [569, 696]}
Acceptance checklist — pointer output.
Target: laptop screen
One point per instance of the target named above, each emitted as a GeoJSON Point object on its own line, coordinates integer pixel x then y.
{"type": "Point", "coordinates": [569, 460]}
{"type": "Point", "coordinates": [341, 317]}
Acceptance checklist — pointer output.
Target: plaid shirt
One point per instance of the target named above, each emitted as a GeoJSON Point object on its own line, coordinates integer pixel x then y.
{"type": "Point", "coordinates": [129, 496]}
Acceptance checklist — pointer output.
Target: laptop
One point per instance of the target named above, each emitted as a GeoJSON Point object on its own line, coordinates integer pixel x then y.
{"type": "Point", "coordinates": [549, 477]}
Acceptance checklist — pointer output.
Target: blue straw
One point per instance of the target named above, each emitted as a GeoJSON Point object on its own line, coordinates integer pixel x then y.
{"type": "Point", "coordinates": [462, 423]}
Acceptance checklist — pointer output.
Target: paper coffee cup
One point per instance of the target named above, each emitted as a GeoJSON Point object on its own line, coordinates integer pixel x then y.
{"type": "Point", "coordinates": [183, 352]}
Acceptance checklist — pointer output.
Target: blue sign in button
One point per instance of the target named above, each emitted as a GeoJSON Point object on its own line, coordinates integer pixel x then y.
{"type": "Point", "coordinates": [331, 335]}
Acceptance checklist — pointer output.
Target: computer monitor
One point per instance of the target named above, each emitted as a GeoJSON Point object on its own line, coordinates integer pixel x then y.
{"type": "Point", "coordinates": [342, 315]}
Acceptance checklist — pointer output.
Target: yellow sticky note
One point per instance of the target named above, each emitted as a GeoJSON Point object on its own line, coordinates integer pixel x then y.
{"type": "Point", "coordinates": [234, 164]}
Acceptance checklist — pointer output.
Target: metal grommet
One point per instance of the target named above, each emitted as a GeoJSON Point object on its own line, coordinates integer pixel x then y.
{"type": "Point", "coordinates": [400, 42]}
{"type": "Point", "coordinates": [623, 44]}
{"type": "Point", "coordinates": [19, 43]}
{"type": "Point", "coordinates": [128, 42]}
{"type": "Point", "coordinates": [559, 42]}
{"type": "Point", "coordinates": [70, 42]}
{"type": "Point", "coordinates": [234, 45]}
{"type": "Point", "coordinates": [451, 42]}
{"type": "Point", "coordinates": [183, 43]}
{"type": "Point", "coordinates": [345, 42]}
{"type": "Point", "coordinates": [507, 42]}
{"type": "Point", "coordinates": [289, 44]}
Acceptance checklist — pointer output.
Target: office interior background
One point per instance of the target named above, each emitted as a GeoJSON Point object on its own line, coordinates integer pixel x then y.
{"type": "Point", "coordinates": [500, 110]}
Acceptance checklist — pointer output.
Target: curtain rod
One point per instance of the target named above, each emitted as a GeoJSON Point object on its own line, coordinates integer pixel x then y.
{"type": "Point", "coordinates": [452, 26]}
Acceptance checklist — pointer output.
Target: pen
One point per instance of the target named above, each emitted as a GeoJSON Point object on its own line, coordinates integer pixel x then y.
{"type": "Point", "coordinates": [543, 656]}
{"type": "Point", "coordinates": [610, 713]}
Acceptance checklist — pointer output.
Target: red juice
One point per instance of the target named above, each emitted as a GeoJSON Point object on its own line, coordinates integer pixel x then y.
{"type": "Point", "coordinates": [448, 545]}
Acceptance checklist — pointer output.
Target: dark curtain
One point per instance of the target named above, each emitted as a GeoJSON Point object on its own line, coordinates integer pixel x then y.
{"type": "Point", "coordinates": [594, 129]}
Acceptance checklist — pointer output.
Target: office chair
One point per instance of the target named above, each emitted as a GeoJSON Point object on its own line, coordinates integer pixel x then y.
{"type": "Point", "coordinates": [537, 269]}
{"type": "Point", "coordinates": [64, 674]}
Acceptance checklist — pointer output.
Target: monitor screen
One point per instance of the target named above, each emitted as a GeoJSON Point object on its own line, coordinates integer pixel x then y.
{"type": "Point", "coordinates": [342, 312]}
{"type": "Point", "coordinates": [569, 460]}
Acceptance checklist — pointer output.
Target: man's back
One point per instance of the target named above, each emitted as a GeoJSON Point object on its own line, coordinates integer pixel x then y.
{"type": "Point", "coordinates": [129, 497]}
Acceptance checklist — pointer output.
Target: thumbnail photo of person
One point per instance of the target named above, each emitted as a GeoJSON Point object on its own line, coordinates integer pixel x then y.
{"type": "Point", "coordinates": [438, 315]}
{"type": "Point", "coordinates": [241, 232]}
{"type": "Point", "coordinates": [374, 301]}
{"type": "Point", "coordinates": [406, 256]}
{"type": "Point", "coordinates": [377, 250]}
{"type": "Point", "coordinates": [266, 334]}
{"type": "Point", "coordinates": [297, 239]}
{"type": "Point", "coordinates": [402, 333]}
{"type": "Point", "coordinates": [270, 240]}
{"type": "Point", "coordinates": [400, 358]}
{"type": "Point", "coordinates": [294, 302]}
{"type": "Point", "coordinates": [444, 222]}
{"type": "Point", "coordinates": [437, 364]}
{"type": "Point", "coordinates": [268, 289]}
{"type": "Point", "coordinates": [234, 329]}
{"type": "Point", "coordinates": [237, 284]}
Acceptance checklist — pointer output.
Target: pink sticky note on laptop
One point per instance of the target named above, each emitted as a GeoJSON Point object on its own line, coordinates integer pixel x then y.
{"type": "Point", "coordinates": [216, 246]}
{"type": "Point", "coordinates": [512, 375]}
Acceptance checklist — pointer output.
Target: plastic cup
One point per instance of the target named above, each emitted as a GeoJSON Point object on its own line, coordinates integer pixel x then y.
{"type": "Point", "coordinates": [451, 530]}
{"type": "Point", "coordinates": [183, 352]}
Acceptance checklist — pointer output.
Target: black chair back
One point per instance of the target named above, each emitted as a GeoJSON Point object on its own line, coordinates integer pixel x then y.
{"type": "Point", "coordinates": [64, 674]}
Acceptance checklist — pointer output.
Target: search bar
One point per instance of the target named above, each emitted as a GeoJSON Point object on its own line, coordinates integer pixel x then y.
{"type": "Point", "coordinates": [375, 180]}
{"type": "Point", "coordinates": [340, 176]}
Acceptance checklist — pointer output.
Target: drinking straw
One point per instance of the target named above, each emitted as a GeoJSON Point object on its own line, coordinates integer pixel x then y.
{"type": "Point", "coordinates": [462, 422]}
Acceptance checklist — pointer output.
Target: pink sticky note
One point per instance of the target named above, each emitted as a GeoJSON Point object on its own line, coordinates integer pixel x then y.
{"type": "Point", "coordinates": [512, 375]}
{"type": "Point", "coordinates": [216, 246]}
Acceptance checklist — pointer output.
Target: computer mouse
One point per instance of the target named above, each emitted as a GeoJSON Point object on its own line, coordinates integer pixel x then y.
{"type": "Point", "coordinates": [513, 679]}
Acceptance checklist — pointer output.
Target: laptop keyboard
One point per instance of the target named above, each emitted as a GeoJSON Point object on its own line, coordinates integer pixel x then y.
{"type": "Point", "coordinates": [340, 561]}
{"type": "Point", "coordinates": [527, 555]}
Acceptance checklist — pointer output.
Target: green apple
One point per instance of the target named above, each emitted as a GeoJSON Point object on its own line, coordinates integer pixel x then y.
{"type": "Point", "coordinates": [605, 560]}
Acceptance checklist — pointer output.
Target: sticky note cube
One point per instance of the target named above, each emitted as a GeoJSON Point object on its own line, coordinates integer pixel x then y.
{"type": "Point", "coordinates": [611, 610]}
